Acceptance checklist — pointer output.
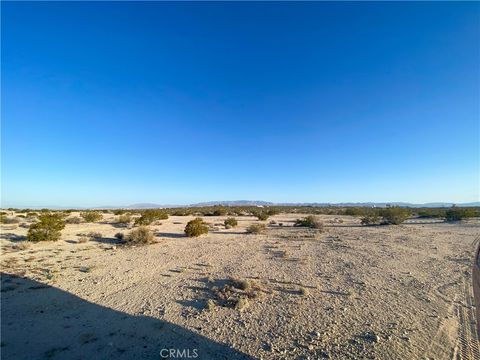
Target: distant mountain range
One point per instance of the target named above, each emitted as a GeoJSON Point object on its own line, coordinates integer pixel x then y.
{"type": "Point", "coordinates": [265, 203]}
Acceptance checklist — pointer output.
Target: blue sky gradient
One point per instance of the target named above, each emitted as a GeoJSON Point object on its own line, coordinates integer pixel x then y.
{"type": "Point", "coordinates": [174, 103]}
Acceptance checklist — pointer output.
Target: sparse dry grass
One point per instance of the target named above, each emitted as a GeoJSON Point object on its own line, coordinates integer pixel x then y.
{"type": "Point", "coordinates": [256, 229]}
{"type": "Point", "coordinates": [140, 236]}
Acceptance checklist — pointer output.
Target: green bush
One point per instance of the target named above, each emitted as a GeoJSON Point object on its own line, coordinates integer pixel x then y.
{"type": "Point", "coordinates": [431, 212]}
{"type": "Point", "coordinates": [260, 214]}
{"type": "Point", "coordinates": [48, 228]}
{"type": "Point", "coordinates": [91, 216]}
{"type": "Point", "coordinates": [359, 211]}
{"type": "Point", "coordinates": [457, 214]}
{"type": "Point", "coordinates": [256, 229]}
{"type": "Point", "coordinates": [273, 211]}
{"type": "Point", "coordinates": [119, 212]}
{"type": "Point", "coordinates": [196, 227]}
{"type": "Point", "coordinates": [232, 222]}
{"type": "Point", "coordinates": [139, 236]}
{"type": "Point", "coordinates": [395, 215]}
{"type": "Point", "coordinates": [221, 211]}
{"type": "Point", "coordinates": [370, 219]}
{"type": "Point", "coordinates": [180, 212]}
{"type": "Point", "coordinates": [310, 221]}
{"type": "Point", "coordinates": [151, 215]}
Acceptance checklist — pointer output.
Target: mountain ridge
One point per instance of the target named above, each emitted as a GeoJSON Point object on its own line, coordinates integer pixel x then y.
{"type": "Point", "coordinates": [266, 203]}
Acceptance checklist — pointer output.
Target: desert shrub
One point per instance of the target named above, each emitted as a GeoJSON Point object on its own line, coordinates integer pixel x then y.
{"type": "Point", "coordinates": [48, 228]}
{"type": "Point", "coordinates": [220, 212]}
{"type": "Point", "coordinates": [196, 227]}
{"type": "Point", "coordinates": [83, 239]}
{"type": "Point", "coordinates": [119, 236]}
{"type": "Point", "coordinates": [8, 220]}
{"type": "Point", "coordinates": [263, 216]}
{"type": "Point", "coordinates": [310, 221]}
{"type": "Point", "coordinates": [394, 215]}
{"type": "Point", "coordinates": [273, 211]}
{"type": "Point", "coordinates": [357, 211]}
{"type": "Point", "coordinates": [91, 216]}
{"type": "Point", "coordinates": [140, 235]}
{"type": "Point", "coordinates": [431, 212]}
{"type": "Point", "coordinates": [180, 212]}
{"type": "Point", "coordinates": [31, 214]}
{"type": "Point", "coordinates": [119, 212]}
{"type": "Point", "coordinates": [151, 215]}
{"type": "Point", "coordinates": [256, 229]}
{"type": "Point", "coordinates": [304, 291]}
{"type": "Point", "coordinates": [260, 214]}
{"type": "Point", "coordinates": [232, 222]}
{"type": "Point", "coordinates": [370, 219]}
{"type": "Point", "coordinates": [73, 220]}
{"type": "Point", "coordinates": [92, 235]}
{"type": "Point", "coordinates": [241, 303]}
{"type": "Point", "coordinates": [124, 219]}
{"type": "Point", "coordinates": [457, 214]}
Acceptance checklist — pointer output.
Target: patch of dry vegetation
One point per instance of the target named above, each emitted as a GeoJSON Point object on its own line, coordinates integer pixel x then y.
{"type": "Point", "coordinates": [237, 294]}
{"type": "Point", "coordinates": [140, 236]}
{"type": "Point", "coordinates": [73, 220]}
{"type": "Point", "coordinates": [256, 229]}
{"type": "Point", "coordinates": [196, 228]}
{"type": "Point", "coordinates": [91, 216]}
{"type": "Point", "coordinates": [150, 216]}
{"type": "Point", "coordinates": [311, 222]}
{"type": "Point", "coordinates": [230, 222]}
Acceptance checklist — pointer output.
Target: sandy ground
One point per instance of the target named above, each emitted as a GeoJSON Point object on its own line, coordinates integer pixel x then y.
{"type": "Point", "coordinates": [349, 292]}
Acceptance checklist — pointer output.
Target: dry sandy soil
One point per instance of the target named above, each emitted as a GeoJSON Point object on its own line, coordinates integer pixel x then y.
{"type": "Point", "coordinates": [349, 292]}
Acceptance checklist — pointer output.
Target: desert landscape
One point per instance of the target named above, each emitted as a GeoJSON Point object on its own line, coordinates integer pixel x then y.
{"type": "Point", "coordinates": [221, 180]}
{"type": "Point", "coordinates": [342, 291]}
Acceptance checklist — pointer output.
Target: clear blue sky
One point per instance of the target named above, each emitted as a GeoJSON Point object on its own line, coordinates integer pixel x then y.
{"type": "Point", "coordinates": [174, 103]}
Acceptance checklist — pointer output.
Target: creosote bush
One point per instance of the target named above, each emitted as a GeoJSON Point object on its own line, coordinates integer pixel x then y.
{"type": "Point", "coordinates": [394, 215]}
{"type": "Point", "coordinates": [457, 214]}
{"type": "Point", "coordinates": [370, 219]}
{"type": "Point", "coordinates": [232, 222]}
{"type": "Point", "coordinates": [139, 236]}
{"type": "Point", "coordinates": [196, 227]}
{"type": "Point", "coordinates": [221, 211]}
{"type": "Point", "coordinates": [256, 229]}
{"type": "Point", "coordinates": [91, 216]}
{"type": "Point", "coordinates": [48, 228]}
{"type": "Point", "coordinates": [310, 221]}
{"type": "Point", "coordinates": [262, 216]}
{"type": "Point", "coordinates": [151, 215]}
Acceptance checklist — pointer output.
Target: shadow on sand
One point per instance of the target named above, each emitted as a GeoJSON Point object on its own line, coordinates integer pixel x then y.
{"type": "Point", "coordinates": [12, 237]}
{"type": "Point", "coordinates": [39, 321]}
{"type": "Point", "coordinates": [170, 235]}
